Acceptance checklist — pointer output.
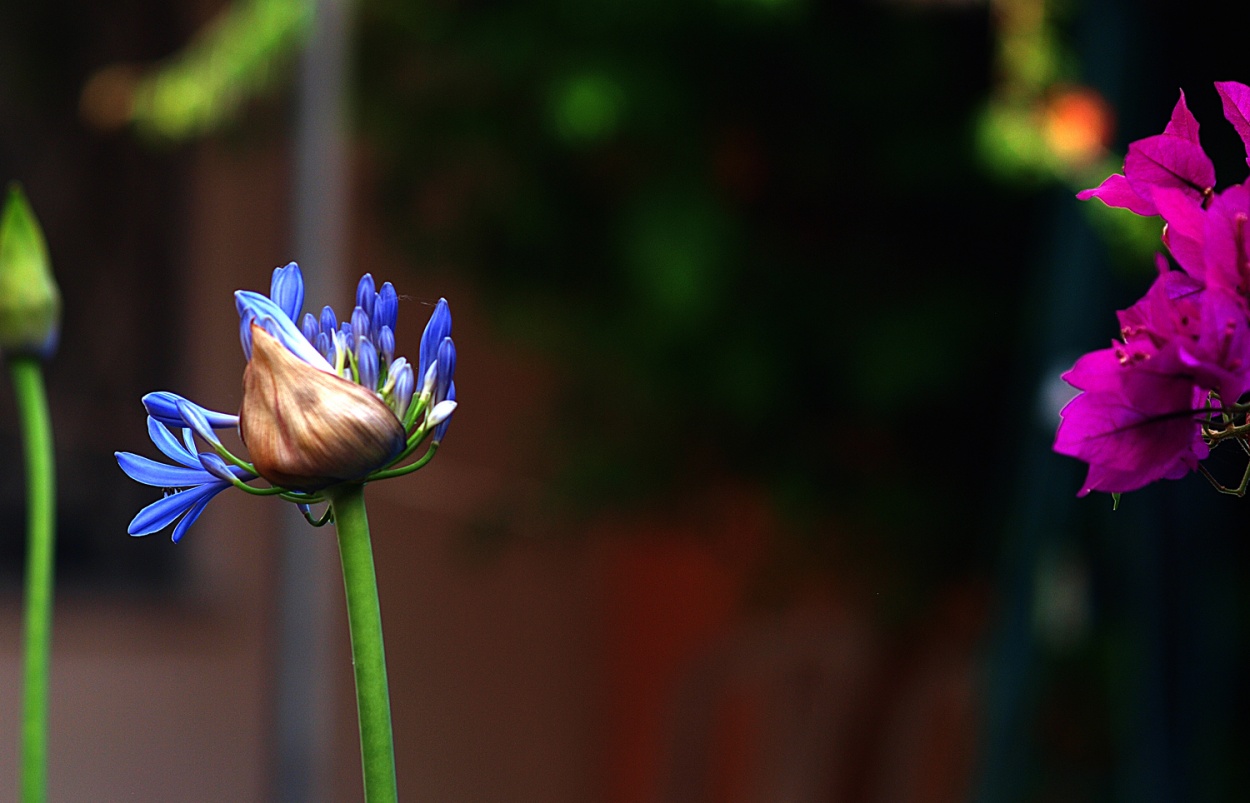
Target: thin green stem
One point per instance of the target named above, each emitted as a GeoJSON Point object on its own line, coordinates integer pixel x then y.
{"type": "Point", "coordinates": [32, 408]}
{"type": "Point", "coordinates": [364, 616]}
{"type": "Point", "coordinates": [415, 408]}
{"type": "Point", "coordinates": [229, 457]}
{"type": "Point", "coordinates": [273, 490]}
{"type": "Point", "coordinates": [408, 469]}
{"type": "Point", "coordinates": [321, 520]}
{"type": "Point", "coordinates": [301, 498]}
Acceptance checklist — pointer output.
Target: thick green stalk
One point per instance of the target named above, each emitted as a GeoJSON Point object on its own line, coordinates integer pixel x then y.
{"type": "Point", "coordinates": [364, 616]}
{"type": "Point", "coordinates": [32, 409]}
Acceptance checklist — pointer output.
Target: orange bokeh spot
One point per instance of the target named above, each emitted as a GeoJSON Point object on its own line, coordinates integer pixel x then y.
{"type": "Point", "coordinates": [1078, 125]}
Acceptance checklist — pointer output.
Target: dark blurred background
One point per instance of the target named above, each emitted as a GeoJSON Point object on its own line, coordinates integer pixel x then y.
{"type": "Point", "coordinates": [760, 307]}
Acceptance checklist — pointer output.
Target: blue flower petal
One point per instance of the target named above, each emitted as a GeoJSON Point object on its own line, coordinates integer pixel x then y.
{"type": "Point", "coordinates": [197, 421]}
{"type": "Point", "coordinates": [441, 429]}
{"type": "Point", "coordinates": [161, 513]}
{"type": "Point", "coordinates": [287, 290]}
{"type": "Point", "coordinates": [274, 319]}
{"type": "Point", "coordinates": [438, 328]}
{"type": "Point", "coordinates": [163, 406]}
{"type": "Point", "coordinates": [160, 475]}
{"type": "Point", "coordinates": [169, 445]}
{"type": "Point", "coordinates": [192, 514]}
{"type": "Point", "coordinates": [309, 327]}
{"type": "Point", "coordinates": [245, 334]}
{"type": "Point", "coordinates": [215, 465]}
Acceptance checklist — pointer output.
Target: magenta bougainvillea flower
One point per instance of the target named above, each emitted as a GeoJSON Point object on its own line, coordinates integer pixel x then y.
{"type": "Point", "coordinates": [1153, 404]}
{"type": "Point", "coordinates": [1173, 159]}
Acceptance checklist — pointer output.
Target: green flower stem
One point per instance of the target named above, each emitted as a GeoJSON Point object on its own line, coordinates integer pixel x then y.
{"type": "Point", "coordinates": [373, 704]}
{"type": "Point", "coordinates": [32, 408]}
{"type": "Point", "coordinates": [408, 469]}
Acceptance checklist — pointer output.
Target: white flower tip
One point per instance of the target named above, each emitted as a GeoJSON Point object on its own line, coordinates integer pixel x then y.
{"type": "Point", "coordinates": [441, 412]}
{"type": "Point", "coordinates": [431, 374]}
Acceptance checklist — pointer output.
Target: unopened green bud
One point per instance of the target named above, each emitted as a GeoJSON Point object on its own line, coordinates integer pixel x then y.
{"type": "Point", "coordinates": [30, 303]}
{"type": "Point", "coordinates": [306, 428]}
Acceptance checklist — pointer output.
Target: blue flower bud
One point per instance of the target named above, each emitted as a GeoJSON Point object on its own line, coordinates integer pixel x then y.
{"type": "Point", "coordinates": [360, 327]}
{"type": "Point", "coordinates": [324, 345]}
{"type": "Point", "coordinates": [164, 407]}
{"type": "Point", "coordinates": [367, 364]}
{"type": "Point", "coordinates": [287, 290]}
{"type": "Point", "coordinates": [441, 429]}
{"type": "Point", "coordinates": [341, 339]}
{"type": "Point", "coordinates": [431, 375]}
{"type": "Point", "coordinates": [386, 345]}
{"type": "Point", "coordinates": [438, 328]}
{"type": "Point", "coordinates": [439, 415]}
{"type": "Point", "coordinates": [366, 295]}
{"type": "Point", "coordinates": [444, 387]}
{"type": "Point", "coordinates": [446, 369]}
{"type": "Point", "coordinates": [309, 327]}
{"type": "Point", "coordinates": [405, 385]}
{"type": "Point", "coordinates": [329, 323]}
{"type": "Point", "coordinates": [386, 313]}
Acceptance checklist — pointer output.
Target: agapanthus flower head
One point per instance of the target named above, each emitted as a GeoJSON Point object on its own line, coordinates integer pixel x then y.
{"type": "Point", "coordinates": [1154, 404]}
{"type": "Point", "coordinates": [323, 403]}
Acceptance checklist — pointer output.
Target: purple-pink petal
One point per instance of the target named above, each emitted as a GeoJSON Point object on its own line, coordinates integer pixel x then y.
{"type": "Point", "coordinates": [1225, 247]}
{"type": "Point", "coordinates": [1236, 100]}
{"type": "Point", "coordinates": [1223, 345]}
{"type": "Point", "coordinates": [1135, 434]}
{"type": "Point", "coordinates": [1095, 371]}
{"type": "Point", "coordinates": [1169, 310]}
{"type": "Point", "coordinates": [1115, 191]}
{"type": "Point", "coordinates": [1183, 236]}
{"type": "Point", "coordinates": [1183, 123]}
{"type": "Point", "coordinates": [1168, 161]}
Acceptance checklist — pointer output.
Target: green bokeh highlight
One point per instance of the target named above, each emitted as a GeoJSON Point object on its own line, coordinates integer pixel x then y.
{"type": "Point", "coordinates": [239, 54]}
{"type": "Point", "coordinates": [588, 108]}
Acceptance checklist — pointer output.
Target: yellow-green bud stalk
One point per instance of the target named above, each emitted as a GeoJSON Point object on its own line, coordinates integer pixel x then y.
{"type": "Point", "coordinates": [306, 428]}
{"type": "Point", "coordinates": [30, 303]}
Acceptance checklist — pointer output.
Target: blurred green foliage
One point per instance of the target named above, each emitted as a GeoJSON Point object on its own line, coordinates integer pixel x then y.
{"type": "Point", "coordinates": [236, 56]}
{"type": "Point", "coordinates": [752, 235]}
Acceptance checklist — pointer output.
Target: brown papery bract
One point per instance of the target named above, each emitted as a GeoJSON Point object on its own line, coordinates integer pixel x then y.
{"type": "Point", "coordinates": [306, 428]}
